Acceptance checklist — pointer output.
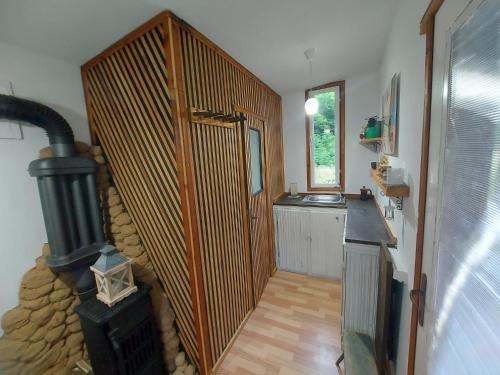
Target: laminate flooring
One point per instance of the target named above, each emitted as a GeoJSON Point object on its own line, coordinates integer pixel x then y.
{"type": "Point", "coordinates": [294, 330]}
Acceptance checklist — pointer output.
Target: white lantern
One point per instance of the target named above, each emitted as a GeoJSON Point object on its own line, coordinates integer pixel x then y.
{"type": "Point", "coordinates": [113, 276]}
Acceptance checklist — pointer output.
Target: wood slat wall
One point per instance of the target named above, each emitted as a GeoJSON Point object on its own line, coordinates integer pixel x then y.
{"type": "Point", "coordinates": [174, 174]}
{"type": "Point", "coordinates": [215, 81]}
{"type": "Point", "coordinates": [130, 109]}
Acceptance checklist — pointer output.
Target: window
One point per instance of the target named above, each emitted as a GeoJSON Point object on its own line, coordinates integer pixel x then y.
{"type": "Point", "coordinates": [325, 139]}
{"type": "Point", "coordinates": [255, 161]}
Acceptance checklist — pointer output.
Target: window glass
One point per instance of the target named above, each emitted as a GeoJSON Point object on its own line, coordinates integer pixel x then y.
{"type": "Point", "coordinates": [323, 136]}
{"type": "Point", "coordinates": [255, 161]}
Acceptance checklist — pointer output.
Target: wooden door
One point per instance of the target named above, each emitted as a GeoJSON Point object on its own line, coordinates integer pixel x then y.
{"type": "Point", "coordinates": [220, 205]}
{"type": "Point", "coordinates": [257, 204]}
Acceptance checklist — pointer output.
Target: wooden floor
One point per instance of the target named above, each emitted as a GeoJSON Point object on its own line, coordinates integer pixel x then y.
{"type": "Point", "coordinates": [295, 329]}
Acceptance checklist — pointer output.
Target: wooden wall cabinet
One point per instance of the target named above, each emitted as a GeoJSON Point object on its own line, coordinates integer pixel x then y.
{"type": "Point", "coordinates": [308, 240]}
{"type": "Point", "coordinates": [183, 178]}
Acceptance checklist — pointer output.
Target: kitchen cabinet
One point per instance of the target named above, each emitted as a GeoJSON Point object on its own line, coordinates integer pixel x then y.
{"type": "Point", "coordinates": [309, 240]}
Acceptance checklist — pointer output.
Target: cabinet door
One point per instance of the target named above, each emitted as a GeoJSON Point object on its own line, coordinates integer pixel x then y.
{"type": "Point", "coordinates": [293, 239]}
{"type": "Point", "coordinates": [327, 229]}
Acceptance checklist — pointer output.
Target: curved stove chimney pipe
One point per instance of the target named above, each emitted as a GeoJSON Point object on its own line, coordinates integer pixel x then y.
{"type": "Point", "coordinates": [58, 130]}
{"type": "Point", "coordinates": [68, 194]}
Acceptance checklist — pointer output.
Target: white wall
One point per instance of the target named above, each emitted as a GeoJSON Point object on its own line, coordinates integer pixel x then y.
{"type": "Point", "coordinates": [362, 100]}
{"type": "Point", "coordinates": [57, 84]}
{"type": "Point", "coordinates": [405, 54]}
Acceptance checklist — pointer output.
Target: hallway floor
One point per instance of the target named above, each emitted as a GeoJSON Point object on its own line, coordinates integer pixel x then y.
{"type": "Point", "coordinates": [294, 330]}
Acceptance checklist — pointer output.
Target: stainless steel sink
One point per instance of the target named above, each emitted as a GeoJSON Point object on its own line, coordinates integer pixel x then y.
{"type": "Point", "coordinates": [323, 198]}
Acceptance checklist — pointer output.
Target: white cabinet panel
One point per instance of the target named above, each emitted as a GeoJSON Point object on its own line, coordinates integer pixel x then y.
{"type": "Point", "coordinates": [327, 230]}
{"type": "Point", "coordinates": [293, 239]}
{"type": "Point", "coordinates": [360, 288]}
{"type": "Point", "coordinates": [309, 240]}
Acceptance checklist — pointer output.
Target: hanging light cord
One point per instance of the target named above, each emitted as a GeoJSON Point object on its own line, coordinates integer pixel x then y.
{"type": "Point", "coordinates": [310, 76]}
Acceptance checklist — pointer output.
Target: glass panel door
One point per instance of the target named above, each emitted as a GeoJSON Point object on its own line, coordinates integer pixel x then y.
{"type": "Point", "coordinates": [465, 332]}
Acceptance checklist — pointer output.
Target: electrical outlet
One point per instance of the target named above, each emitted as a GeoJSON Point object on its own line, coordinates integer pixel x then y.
{"type": "Point", "coordinates": [9, 129]}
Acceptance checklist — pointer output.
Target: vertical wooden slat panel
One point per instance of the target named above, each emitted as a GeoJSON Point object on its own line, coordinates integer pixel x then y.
{"type": "Point", "coordinates": [130, 98]}
{"type": "Point", "coordinates": [216, 83]}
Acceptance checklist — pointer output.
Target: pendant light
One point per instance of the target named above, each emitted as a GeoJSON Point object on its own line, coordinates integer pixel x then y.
{"type": "Point", "coordinates": [312, 104]}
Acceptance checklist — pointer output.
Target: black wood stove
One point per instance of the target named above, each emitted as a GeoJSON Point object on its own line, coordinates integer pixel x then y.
{"type": "Point", "coordinates": [122, 339]}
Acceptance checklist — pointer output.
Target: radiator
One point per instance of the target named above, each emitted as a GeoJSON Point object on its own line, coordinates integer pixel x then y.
{"type": "Point", "coordinates": [359, 288]}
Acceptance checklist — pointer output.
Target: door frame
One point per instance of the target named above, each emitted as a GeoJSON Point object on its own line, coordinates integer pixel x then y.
{"type": "Point", "coordinates": [427, 27]}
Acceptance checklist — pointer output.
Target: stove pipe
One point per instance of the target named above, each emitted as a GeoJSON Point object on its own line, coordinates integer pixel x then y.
{"type": "Point", "coordinates": [68, 194]}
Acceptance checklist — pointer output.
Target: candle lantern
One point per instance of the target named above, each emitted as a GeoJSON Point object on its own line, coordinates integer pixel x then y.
{"type": "Point", "coordinates": [113, 276]}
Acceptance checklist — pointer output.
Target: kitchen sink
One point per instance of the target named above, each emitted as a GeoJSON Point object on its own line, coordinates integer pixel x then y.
{"type": "Point", "coordinates": [323, 198]}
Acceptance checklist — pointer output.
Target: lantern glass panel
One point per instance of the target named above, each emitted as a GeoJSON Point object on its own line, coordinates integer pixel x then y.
{"type": "Point", "coordinates": [101, 284]}
{"type": "Point", "coordinates": [119, 281]}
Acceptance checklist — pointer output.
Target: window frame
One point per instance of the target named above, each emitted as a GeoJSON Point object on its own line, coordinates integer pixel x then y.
{"type": "Point", "coordinates": [340, 85]}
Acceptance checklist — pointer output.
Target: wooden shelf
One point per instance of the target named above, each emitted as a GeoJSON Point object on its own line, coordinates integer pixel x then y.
{"type": "Point", "coordinates": [390, 190]}
{"type": "Point", "coordinates": [369, 141]}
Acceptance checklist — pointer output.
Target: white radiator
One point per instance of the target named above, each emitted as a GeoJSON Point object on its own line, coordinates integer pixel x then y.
{"type": "Point", "coordinates": [360, 284]}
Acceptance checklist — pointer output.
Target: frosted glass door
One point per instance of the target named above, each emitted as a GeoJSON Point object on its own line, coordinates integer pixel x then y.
{"type": "Point", "coordinates": [465, 332]}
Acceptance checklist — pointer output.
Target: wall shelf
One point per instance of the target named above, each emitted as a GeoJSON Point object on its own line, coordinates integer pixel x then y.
{"type": "Point", "coordinates": [400, 191]}
{"type": "Point", "coordinates": [370, 141]}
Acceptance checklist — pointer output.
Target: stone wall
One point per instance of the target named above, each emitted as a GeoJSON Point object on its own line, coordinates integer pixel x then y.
{"type": "Point", "coordinates": [42, 335]}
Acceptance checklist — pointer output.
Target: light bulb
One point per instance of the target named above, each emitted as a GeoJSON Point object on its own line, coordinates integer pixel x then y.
{"type": "Point", "coordinates": [311, 106]}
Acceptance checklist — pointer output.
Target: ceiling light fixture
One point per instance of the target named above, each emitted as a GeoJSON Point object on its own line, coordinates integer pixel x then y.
{"type": "Point", "coordinates": [312, 104]}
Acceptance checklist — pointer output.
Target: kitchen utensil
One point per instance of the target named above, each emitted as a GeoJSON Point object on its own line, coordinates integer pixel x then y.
{"type": "Point", "coordinates": [365, 193]}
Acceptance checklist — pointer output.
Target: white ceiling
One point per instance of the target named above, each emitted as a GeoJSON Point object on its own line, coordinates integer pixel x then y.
{"type": "Point", "coordinates": [269, 37]}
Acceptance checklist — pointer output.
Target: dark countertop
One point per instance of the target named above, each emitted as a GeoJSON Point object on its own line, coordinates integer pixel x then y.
{"type": "Point", "coordinates": [364, 224]}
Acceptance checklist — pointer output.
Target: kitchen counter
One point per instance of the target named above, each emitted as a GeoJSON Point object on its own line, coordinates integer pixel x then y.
{"type": "Point", "coordinates": [364, 224]}
{"type": "Point", "coordinates": [288, 201]}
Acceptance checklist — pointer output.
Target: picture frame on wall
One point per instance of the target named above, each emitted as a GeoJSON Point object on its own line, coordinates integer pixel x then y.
{"type": "Point", "coordinates": [390, 117]}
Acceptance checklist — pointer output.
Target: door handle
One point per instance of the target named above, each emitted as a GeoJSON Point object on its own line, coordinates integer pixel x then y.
{"type": "Point", "coordinates": [417, 298]}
